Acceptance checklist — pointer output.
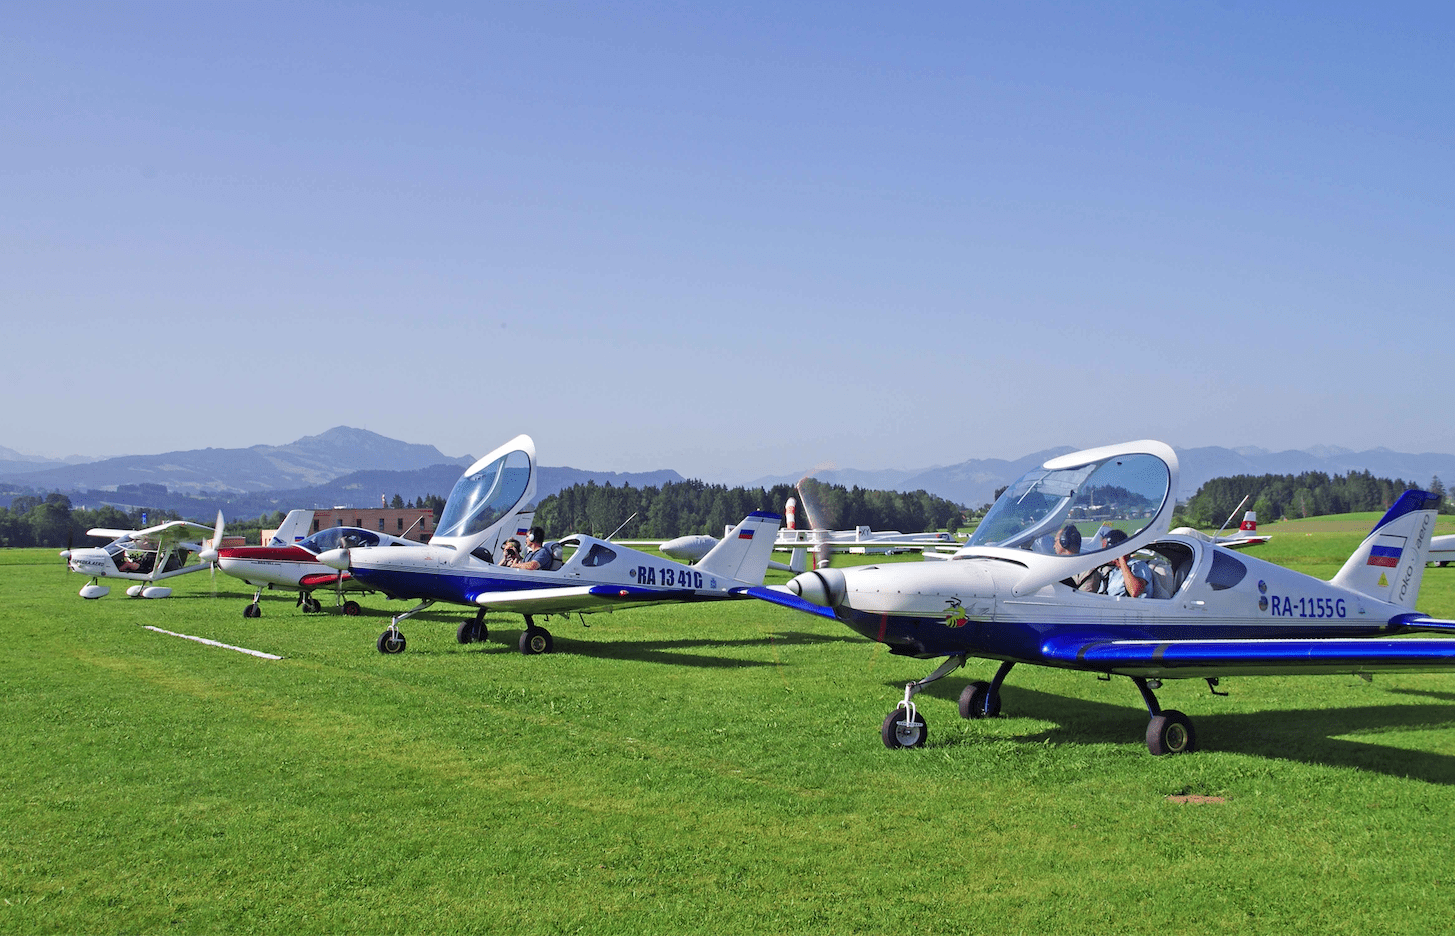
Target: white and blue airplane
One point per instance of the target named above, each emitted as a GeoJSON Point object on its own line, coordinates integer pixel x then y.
{"type": "Point", "coordinates": [587, 574]}
{"type": "Point", "coordinates": [1206, 611]}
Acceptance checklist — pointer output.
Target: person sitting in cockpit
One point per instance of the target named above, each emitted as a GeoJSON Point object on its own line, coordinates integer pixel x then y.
{"type": "Point", "coordinates": [1068, 541]}
{"type": "Point", "coordinates": [1131, 577]}
{"type": "Point", "coordinates": [537, 556]}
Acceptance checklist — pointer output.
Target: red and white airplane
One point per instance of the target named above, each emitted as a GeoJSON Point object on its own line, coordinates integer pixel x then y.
{"type": "Point", "coordinates": [289, 562]}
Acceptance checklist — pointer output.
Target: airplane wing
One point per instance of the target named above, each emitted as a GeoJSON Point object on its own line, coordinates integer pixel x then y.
{"type": "Point", "coordinates": [577, 598]}
{"type": "Point", "coordinates": [104, 533]}
{"type": "Point", "coordinates": [1251, 656]}
{"type": "Point", "coordinates": [779, 595]}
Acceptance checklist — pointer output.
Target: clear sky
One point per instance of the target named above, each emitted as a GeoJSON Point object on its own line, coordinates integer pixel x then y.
{"type": "Point", "coordinates": [730, 239]}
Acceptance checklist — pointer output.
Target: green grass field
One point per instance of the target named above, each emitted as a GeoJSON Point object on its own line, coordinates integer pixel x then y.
{"type": "Point", "coordinates": [713, 768]}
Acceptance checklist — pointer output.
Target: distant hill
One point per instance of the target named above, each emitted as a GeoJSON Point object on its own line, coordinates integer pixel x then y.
{"type": "Point", "coordinates": [310, 461]}
{"type": "Point", "coordinates": [358, 489]}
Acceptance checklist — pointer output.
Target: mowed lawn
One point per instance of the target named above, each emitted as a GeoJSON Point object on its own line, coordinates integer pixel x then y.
{"type": "Point", "coordinates": [709, 768]}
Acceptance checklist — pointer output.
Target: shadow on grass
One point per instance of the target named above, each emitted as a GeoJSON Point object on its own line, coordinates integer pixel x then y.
{"type": "Point", "coordinates": [670, 652]}
{"type": "Point", "coordinates": [1308, 736]}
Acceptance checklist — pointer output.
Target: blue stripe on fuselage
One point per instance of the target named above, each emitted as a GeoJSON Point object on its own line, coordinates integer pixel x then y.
{"type": "Point", "coordinates": [1022, 640]}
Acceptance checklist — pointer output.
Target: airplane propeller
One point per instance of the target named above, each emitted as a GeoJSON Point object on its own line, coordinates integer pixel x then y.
{"type": "Point", "coordinates": [210, 554]}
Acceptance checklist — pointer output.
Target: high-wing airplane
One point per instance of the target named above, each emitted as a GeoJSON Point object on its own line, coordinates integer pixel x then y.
{"type": "Point", "coordinates": [1247, 534]}
{"type": "Point", "coordinates": [143, 556]}
{"type": "Point", "coordinates": [290, 562]}
{"type": "Point", "coordinates": [1442, 550]}
{"type": "Point", "coordinates": [458, 564]}
{"type": "Point", "coordinates": [1011, 594]}
{"type": "Point", "coordinates": [820, 542]}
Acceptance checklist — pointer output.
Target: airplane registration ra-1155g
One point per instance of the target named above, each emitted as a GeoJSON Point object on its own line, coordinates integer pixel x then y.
{"type": "Point", "coordinates": [484, 509]}
{"type": "Point", "coordinates": [1014, 593]}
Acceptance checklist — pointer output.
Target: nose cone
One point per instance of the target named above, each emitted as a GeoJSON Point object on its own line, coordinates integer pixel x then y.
{"type": "Point", "coordinates": [822, 587]}
{"type": "Point", "coordinates": [207, 556]}
{"type": "Point", "coordinates": [335, 558]}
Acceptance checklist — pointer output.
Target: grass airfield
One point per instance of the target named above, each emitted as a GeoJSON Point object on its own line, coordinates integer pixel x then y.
{"type": "Point", "coordinates": [708, 768]}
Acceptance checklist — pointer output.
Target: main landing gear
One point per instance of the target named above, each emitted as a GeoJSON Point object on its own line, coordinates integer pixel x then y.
{"type": "Point", "coordinates": [473, 629]}
{"type": "Point", "coordinates": [255, 610]}
{"type": "Point", "coordinates": [391, 641]}
{"type": "Point", "coordinates": [308, 603]}
{"type": "Point", "coordinates": [1168, 732]}
{"type": "Point", "coordinates": [534, 639]}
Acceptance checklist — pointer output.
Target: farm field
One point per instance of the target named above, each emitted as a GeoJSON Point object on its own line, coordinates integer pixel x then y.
{"type": "Point", "coordinates": [708, 768]}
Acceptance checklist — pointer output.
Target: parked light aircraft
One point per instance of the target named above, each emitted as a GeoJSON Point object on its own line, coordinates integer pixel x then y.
{"type": "Point", "coordinates": [457, 565]}
{"type": "Point", "coordinates": [821, 543]}
{"type": "Point", "coordinates": [1442, 550]}
{"type": "Point", "coordinates": [290, 562]}
{"type": "Point", "coordinates": [1247, 534]}
{"type": "Point", "coordinates": [1212, 612]}
{"type": "Point", "coordinates": [144, 556]}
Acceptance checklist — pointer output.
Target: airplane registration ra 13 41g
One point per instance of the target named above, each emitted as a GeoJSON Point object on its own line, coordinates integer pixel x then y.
{"type": "Point", "coordinates": [1035, 584]}
{"type": "Point", "coordinates": [459, 564]}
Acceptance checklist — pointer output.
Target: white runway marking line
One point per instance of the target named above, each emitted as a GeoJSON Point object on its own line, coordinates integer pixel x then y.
{"type": "Point", "coordinates": [214, 643]}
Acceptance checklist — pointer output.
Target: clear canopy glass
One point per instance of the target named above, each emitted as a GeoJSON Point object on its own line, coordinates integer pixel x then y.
{"type": "Point", "coordinates": [1123, 492]}
{"type": "Point", "coordinates": [338, 538]}
{"type": "Point", "coordinates": [484, 497]}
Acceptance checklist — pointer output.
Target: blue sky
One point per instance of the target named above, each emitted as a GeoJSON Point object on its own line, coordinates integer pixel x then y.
{"type": "Point", "coordinates": [732, 240]}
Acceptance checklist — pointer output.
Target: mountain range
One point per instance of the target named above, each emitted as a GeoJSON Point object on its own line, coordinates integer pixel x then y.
{"type": "Point", "coordinates": [354, 467]}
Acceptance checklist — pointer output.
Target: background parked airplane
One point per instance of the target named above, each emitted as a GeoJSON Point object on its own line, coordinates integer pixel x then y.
{"type": "Point", "coordinates": [145, 556]}
{"type": "Point", "coordinates": [290, 562]}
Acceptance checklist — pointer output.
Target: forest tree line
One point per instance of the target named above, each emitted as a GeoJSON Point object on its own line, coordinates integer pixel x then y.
{"type": "Point", "coordinates": [1292, 497]}
{"type": "Point", "coordinates": [679, 508]}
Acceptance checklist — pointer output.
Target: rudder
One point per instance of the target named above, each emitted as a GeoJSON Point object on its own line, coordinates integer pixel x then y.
{"type": "Point", "coordinates": [1390, 564]}
{"type": "Point", "coordinates": [743, 553]}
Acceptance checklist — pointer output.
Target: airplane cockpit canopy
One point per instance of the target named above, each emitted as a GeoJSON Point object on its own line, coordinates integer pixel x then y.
{"type": "Point", "coordinates": [339, 538]}
{"type": "Point", "coordinates": [1119, 492]}
{"type": "Point", "coordinates": [483, 497]}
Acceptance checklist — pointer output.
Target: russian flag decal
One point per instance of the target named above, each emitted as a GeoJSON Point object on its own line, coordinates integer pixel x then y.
{"type": "Point", "coordinates": [745, 534]}
{"type": "Point", "coordinates": [1386, 551]}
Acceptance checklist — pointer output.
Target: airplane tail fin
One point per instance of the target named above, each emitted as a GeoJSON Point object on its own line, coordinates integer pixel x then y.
{"type": "Point", "coordinates": [294, 528]}
{"type": "Point", "coordinates": [1250, 523]}
{"type": "Point", "coordinates": [1390, 564]}
{"type": "Point", "coordinates": [743, 553]}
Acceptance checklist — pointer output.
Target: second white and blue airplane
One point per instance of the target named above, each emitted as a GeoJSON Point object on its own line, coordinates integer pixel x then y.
{"type": "Point", "coordinates": [1014, 594]}
{"type": "Point", "coordinates": [588, 574]}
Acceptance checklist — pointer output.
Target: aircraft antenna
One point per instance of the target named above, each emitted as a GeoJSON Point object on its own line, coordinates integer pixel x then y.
{"type": "Point", "coordinates": [623, 525]}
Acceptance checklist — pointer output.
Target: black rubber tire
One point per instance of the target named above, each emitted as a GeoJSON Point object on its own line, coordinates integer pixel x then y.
{"type": "Point", "coordinates": [535, 640]}
{"type": "Point", "coordinates": [252, 611]}
{"type": "Point", "coordinates": [1171, 733]}
{"type": "Point", "coordinates": [351, 608]}
{"type": "Point", "coordinates": [896, 734]}
{"type": "Point", "coordinates": [977, 701]}
{"type": "Point", "coordinates": [391, 641]}
{"type": "Point", "coordinates": [466, 633]}
{"type": "Point", "coordinates": [312, 605]}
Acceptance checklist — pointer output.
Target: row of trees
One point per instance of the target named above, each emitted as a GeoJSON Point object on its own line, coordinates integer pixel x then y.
{"type": "Point", "coordinates": [32, 520]}
{"type": "Point", "coordinates": [1311, 494]}
{"type": "Point", "coordinates": [680, 508]}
